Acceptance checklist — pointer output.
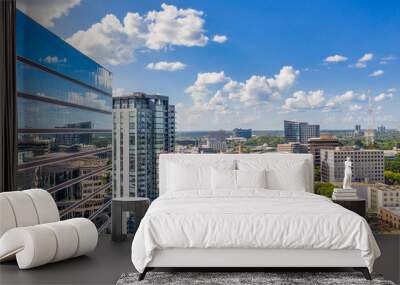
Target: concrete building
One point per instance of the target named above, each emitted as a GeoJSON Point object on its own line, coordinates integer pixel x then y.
{"type": "Point", "coordinates": [143, 127]}
{"type": "Point", "coordinates": [369, 136]}
{"type": "Point", "coordinates": [323, 142]}
{"type": "Point", "coordinates": [368, 165]}
{"type": "Point", "coordinates": [381, 195]}
{"type": "Point", "coordinates": [215, 145]}
{"type": "Point", "coordinates": [300, 132]}
{"type": "Point", "coordinates": [390, 216]}
{"type": "Point", "coordinates": [292, 148]}
{"type": "Point", "coordinates": [216, 141]}
{"type": "Point", "coordinates": [242, 133]}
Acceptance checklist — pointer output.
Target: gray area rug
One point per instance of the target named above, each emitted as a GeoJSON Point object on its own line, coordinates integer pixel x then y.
{"type": "Point", "coordinates": [228, 278]}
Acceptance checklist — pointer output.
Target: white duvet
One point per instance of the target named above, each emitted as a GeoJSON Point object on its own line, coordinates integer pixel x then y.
{"type": "Point", "coordinates": [250, 219]}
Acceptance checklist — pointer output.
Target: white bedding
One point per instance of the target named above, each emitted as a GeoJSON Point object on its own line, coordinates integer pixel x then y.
{"type": "Point", "coordinates": [250, 218]}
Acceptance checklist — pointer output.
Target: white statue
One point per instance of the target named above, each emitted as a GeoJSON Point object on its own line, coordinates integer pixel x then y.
{"type": "Point", "coordinates": [347, 174]}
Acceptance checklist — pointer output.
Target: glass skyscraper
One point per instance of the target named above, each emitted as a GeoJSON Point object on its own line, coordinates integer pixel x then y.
{"type": "Point", "coordinates": [300, 132]}
{"type": "Point", "coordinates": [144, 127]}
{"type": "Point", "coordinates": [64, 122]}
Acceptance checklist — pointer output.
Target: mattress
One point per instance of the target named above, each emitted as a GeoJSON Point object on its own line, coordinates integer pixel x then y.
{"type": "Point", "coordinates": [250, 219]}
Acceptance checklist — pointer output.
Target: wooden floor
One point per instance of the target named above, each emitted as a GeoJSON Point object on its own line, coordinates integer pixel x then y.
{"type": "Point", "coordinates": [110, 260]}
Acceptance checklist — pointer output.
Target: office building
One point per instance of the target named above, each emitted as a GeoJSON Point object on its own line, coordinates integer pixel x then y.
{"type": "Point", "coordinates": [381, 129]}
{"type": "Point", "coordinates": [323, 142]}
{"type": "Point", "coordinates": [143, 127]}
{"type": "Point", "coordinates": [300, 132]}
{"type": "Point", "coordinates": [216, 141]}
{"type": "Point", "coordinates": [64, 105]}
{"type": "Point", "coordinates": [390, 216]}
{"type": "Point", "coordinates": [292, 148]}
{"type": "Point", "coordinates": [219, 136]}
{"type": "Point", "coordinates": [357, 130]}
{"type": "Point", "coordinates": [368, 165]}
{"type": "Point", "coordinates": [215, 145]}
{"type": "Point", "coordinates": [242, 133]}
{"type": "Point", "coordinates": [381, 195]}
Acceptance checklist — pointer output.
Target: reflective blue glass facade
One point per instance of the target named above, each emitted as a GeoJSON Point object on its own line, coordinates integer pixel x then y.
{"type": "Point", "coordinates": [64, 106]}
{"type": "Point", "coordinates": [39, 45]}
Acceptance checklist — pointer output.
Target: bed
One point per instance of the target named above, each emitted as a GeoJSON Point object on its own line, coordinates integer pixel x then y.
{"type": "Point", "coordinates": [247, 210]}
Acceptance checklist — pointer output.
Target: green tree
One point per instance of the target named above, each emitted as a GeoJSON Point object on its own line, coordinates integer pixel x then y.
{"type": "Point", "coordinates": [324, 189]}
{"type": "Point", "coordinates": [392, 178]}
{"type": "Point", "coordinates": [393, 164]}
{"type": "Point", "coordinates": [317, 174]}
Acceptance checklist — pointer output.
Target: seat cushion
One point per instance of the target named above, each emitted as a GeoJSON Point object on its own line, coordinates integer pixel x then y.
{"type": "Point", "coordinates": [7, 220]}
{"type": "Point", "coordinates": [40, 244]}
{"type": "Point", "coordinates": [46, 208]}
{"type": "Point", "coordinates": [23, 208]}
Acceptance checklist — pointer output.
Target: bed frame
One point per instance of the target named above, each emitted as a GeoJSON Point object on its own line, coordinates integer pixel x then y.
{"type": "Point", "coordinates": [240, 259]}
{"type": "Point", "coordinates": [246, 259]}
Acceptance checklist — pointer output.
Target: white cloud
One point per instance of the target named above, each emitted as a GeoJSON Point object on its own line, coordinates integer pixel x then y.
{"type": "Point", "coordinates": [111, 41]}
{"type": "Point", "coordinates": [285, 78]}
{"type": "Point", "coordinates": [383, 96]}
{"type": "Point", "coordinates": [340, 99]}
{"type": "Point", "coordinates": [54, 59]}
{"type": "Point", "coordinates": [366, 57]}
{"type": "Point", "coordinates": [167, 66]}
{"type": "Point", "coordinates": [362, 61]}
{"type": "Point", "coordinates": [354, 108]}
{"type": "Point", "coordinates": [359, 65]}
{"type": "Point", "coordinates": [258, 89]}
{"type": "Point", "coordinates": [173, 26]}
{"type": "Point", "coordinates": [362, 97]}
{"type": "Point", "coordinates": [117, 92]}
{"type": "Point", "coordinates": [199, 90]}
{"type": "Point", "coordinates": [46, 11]}
{"type": "Point", "coordinates": [114, 42]}
{"type": "Point", "coordinates": [302, 100]}
{"type": "Point", "coordinates": [335, 58]}
{"type": "Point", "coordinates": [377, 73]}
{"type": "Point", "coordinates": [220, 39]}
{"type": "Point", "coordinates": [253, 91]}
{"type": "Point", "coordinates": [387, 59]}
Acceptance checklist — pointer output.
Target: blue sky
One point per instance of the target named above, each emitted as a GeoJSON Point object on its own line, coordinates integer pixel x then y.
{"type": "Point", "coordinates": [317, 61]}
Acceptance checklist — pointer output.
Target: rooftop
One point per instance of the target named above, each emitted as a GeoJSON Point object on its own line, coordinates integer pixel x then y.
{"type": "Point", "coordinates": [384, 187]}
{"type": "Point", "coordinates": [141, 95]}
{"type": "Point", "coordinates": [393, 210]}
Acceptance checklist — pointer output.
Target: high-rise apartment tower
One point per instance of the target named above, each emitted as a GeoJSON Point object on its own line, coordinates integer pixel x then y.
{"type": "Point", "coordinates": [143, 128]}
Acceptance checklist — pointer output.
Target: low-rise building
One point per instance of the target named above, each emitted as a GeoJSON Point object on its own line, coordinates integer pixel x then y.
{"type": "Point", "coordinates": [390, 216]}
{"type": "Point", "coordinates": [323, 142]}
{"type": "Point", "coordinates": [381, 195]}
{"type": "Point", "coordinates": [292, 148]}
{"type": "Point", "coordinates": [242, 133]}
{"type": "Point", "coordinates": [368, 165]}
{"type": "Point", "coordinates": [216, 145]}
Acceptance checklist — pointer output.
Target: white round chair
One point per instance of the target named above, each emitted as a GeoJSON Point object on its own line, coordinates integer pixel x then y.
{"type": "Point", "coordinates": [31, 231]}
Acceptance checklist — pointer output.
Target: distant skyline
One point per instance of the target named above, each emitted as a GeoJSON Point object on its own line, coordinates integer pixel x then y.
{"type": "Point", "coordinates": [243, 64]}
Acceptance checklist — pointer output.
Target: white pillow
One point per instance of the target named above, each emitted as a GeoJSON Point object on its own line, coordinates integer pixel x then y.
{"type": "Point", "coordinates": [251, 178]}
{"type": "Point", "coordinates": [188, 177]}
{"type": "Point", "coordinates": [223, 179]}
{"type": "Point", "coordinates": [288, 175]}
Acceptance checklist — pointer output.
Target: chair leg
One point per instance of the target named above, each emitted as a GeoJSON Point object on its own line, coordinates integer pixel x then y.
{"type": "Point", "coordinates": [364, 271]}
{"type": "Point", "coordinates": [143, 274]}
